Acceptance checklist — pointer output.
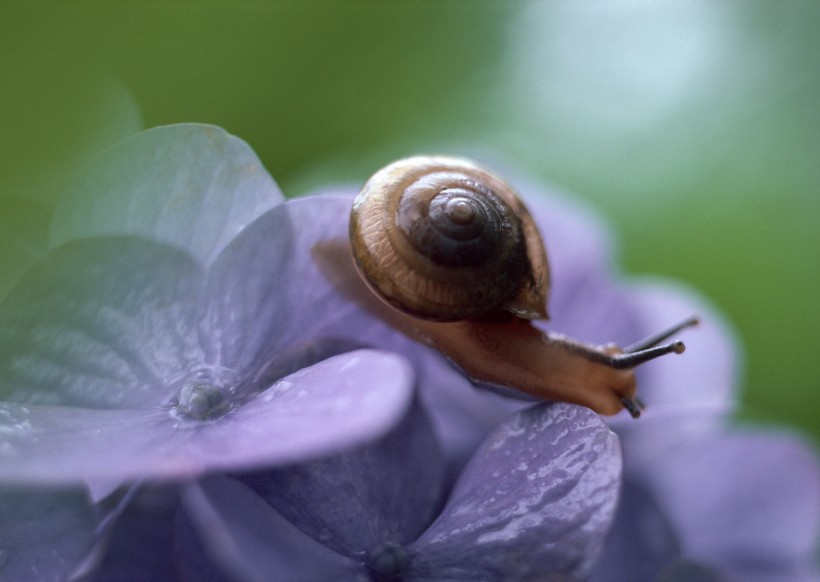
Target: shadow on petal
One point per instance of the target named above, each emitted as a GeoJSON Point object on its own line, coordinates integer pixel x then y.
{"type": "Point", "coordinates": [385, 492]}
{"type": "Point", "coordinates": [245, 539]}
{"type": "Point", "coordinates": [45, 534]}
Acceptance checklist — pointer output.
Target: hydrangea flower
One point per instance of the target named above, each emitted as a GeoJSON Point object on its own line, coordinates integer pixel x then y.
{"type": "Point", "coordinates": [124, 358]}
{"type": "Point", "coordinates": [183, 329]}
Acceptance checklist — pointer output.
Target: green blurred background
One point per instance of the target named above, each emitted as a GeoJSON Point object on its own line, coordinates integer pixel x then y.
{"type": "Point", "coordinates": [695, 127]}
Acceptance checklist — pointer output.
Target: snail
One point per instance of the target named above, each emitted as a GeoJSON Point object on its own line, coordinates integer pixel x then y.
{"type": "Point", "coordinates": [454, 251]}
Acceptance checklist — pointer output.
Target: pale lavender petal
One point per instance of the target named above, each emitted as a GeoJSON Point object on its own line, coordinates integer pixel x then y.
{"type": "Point", "coordinates": [685, 394]}
{"type": "Point", "coordinates": [45, 534]}
{"type": "Point", "coordinates": [585, 300]}
{"type": "Point", "coordinates": [703, 380]}
{"type": "Point", "coordinates": [686, 570]}
{"type": "Point", "coordinates": [590, 304]}
{"type": "Point", "coordinates": [462, 414]}
{"type": "Point", "coordinates": [107, 322]}
{"type": "Point", "coordinates": [249, 541]}
{"type": "Point", "coordinates": [189, 185]}
{"type": "Point", "coordinates": [268, 292]}
{"type": "Point", "coordinates": [336, 404]}
{"type": "Point", "coordinates": [387, 491]}
{"type": "Point", "coordinates": [742, 502]}
{"type": "Point", "coordinates": [574, 233]}
{"type": "Point", "coordinates": [248, 288]}
{"type": "Point", "coordinates": [535, 501]}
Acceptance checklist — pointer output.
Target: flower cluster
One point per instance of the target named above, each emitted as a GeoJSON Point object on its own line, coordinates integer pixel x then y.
{"type": "Point", "coordinates": [187, 391]}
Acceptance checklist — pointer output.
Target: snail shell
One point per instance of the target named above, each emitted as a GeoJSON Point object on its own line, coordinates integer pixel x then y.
{"type": "Point", "coordinates": [442, 239]}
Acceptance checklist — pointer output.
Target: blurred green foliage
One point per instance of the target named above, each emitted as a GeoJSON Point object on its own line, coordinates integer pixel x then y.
{"type": "Point", "coordinates": [695, 127]}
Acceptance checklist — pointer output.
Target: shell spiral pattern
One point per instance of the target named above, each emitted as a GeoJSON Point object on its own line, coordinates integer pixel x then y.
{"type": "Point", "coordinates": [442, 239]}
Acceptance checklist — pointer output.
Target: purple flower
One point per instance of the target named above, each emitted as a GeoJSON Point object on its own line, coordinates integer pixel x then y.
{"type": "Point", "coordinates": [179, 352]}
{"type": "Point", "coordinates": [188, 332]}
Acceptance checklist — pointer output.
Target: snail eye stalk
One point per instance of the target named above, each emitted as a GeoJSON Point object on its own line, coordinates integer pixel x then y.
{"type": "Point", "coordinates": [646, 350]}
{"type": "Point", "coordinates": [654, 340]}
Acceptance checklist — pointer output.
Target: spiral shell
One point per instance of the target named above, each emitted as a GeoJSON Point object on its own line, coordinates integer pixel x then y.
{"type": "Point", "coordinates": [442, 239]}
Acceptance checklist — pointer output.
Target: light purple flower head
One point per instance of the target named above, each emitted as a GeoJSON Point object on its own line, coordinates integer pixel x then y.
{"type": "Point", "coordinates": [184, 355]}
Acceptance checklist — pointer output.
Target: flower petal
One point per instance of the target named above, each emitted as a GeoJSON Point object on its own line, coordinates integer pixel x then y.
{"type": "Point", "coordinates": [105, 322]}
{"type": "Point", "coordinates": [140, 546]}
{"type": "Point", "coordinates": [44, 534]}
{"type": "Point", "coordinates": [536, 499]}
{"type": "Point", "coordinates": [759, 516]}
{"type": "Point", "coordinates": [339, 403]}
{"type": "Point", "coordinates": [266, 291]}
{"type": "Point", "coordinates": [585, 300]}
{"type": "Point", "coordinates": [685, 395]}
{"type": "Point", "coordinates": [387, 491]}
{"type": "Point", "coordinates": [190, 185]}
{"type": "Point", "coordinates": [463, 414]}
{"type": "Point", "coordinates": [249, 541]}
{"type": "Point", "coordinates": [641, 541]}
{"type": "Point", "coordinates": [704, 379]}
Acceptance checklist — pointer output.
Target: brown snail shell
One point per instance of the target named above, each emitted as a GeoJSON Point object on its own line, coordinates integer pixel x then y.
{"type": "Point", "coordinates": [442, 239]}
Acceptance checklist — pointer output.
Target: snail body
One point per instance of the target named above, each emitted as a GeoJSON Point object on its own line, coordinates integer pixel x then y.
{"type": "Point", "coordinates": [442, 239]}
{"type": "Point", "coordinates": [455, 251]}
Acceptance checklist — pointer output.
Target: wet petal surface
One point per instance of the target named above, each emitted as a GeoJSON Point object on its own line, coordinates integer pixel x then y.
{"type": "Point", "coordinates": [101, 323]}
{"type": "Point", "coordinates": [535, 501]}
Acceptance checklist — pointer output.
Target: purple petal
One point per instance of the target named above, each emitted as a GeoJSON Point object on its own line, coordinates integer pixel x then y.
{"type": "Point", "coordinates": [641, 541]}
{"type": "Point", "coordinates": [44, 534]}
{"type": "Point", "coordinates": [106, 322]}
{"type": "Point", "coordinates": [462, 414]}
{"type": "Point", "coordinates": [338, 403]}
{"type": "Point", "coordinates": [585, 301]}
{"type": "Point", "coordinates": [140, 546]}
{"type": "Point", "coordinates": [743, 503]}
{"type": "Point", "coordinates": [388, 491]}
{"type": "Point", "coordinates": [536, 500]}
{"type": "Point", "coordinates": [589, 304]}
{"type": "Point", "coordinates": [249, 541]}
{"type": "Point", "coordinates": [192, 186]}
{"type": "Point", "coordinates": [703, 380]}
{"type": "Point", "coordinates": [687, 394]}
{"type": "Point", "coordinates": [266, 290]}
